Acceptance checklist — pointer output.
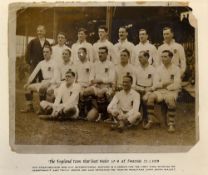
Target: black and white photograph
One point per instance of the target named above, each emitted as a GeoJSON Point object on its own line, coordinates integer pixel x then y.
{"type": "Point", "coordinates": [103, 78]}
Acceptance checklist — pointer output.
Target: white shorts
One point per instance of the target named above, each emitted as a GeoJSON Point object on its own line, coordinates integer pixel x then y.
{"type": "Point", "coordinates": [36, 86]}
{"type": "Point", "coordinates": [163, 94]}
{"type": "Point", "coordinates": [45, 104]}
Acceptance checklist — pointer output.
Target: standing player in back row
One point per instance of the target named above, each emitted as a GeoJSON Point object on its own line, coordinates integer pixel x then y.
{"type": "Point", "coordinates": [58, 49]}
{"type": "Point", "coordinates": [123, 43]}
{"type": "Point", "coordinates": [179, 58]}
{"type": "Point", "coordinates": [82, 42]}
{"type": "Point", "coordinates": [104, 42]}
{"type": "Point", "coordinates": [145, 45]}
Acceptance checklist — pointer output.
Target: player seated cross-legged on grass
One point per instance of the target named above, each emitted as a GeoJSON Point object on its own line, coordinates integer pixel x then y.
{"type": "Point", "coordinates": [167, 85]}
{"type": "Point", "coordinates": [47, 68]}
{"type": "Point", "coordinates": [82, 69]}
{"type": "Point", "coordinates": [144, 79]}
{"type": "Point", "coordinates": [102, 78]}
{"type": "Point", "coordinates": [124, 106]}
{"type": "Point", "coordinates": [66, 102]}
{"type": "Point", "coordinates": [59, 74]}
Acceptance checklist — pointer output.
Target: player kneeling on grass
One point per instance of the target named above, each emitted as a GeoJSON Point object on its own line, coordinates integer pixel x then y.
{"type": "Point", "coordinates": [124, 107]}
{"type": "Point", "coordinates": [167, 85]}
{"type": "Point", "coordinates": [47, 69]}
{"type": "Point", "coordinates": [66, 102]}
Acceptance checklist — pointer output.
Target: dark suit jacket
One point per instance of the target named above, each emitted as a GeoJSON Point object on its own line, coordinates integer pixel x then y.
{"type": "Point", "coordinates": [34, 53]}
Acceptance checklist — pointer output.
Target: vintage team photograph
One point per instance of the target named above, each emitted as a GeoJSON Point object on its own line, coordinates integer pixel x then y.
{"type": "Point", "coordinates": [112, 75]}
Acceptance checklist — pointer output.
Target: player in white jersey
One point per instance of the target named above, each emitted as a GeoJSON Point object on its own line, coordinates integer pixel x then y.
{"type": "Point", "coordinates": [144, 80]}
{"type": "Point", "coordinates": [46, 66]}
{"type": "Point", "coordinates": [123, 43]}
{"type": "Point", "coordinates": [82, 70]}
{"type": "Point", "coordinates": [66, 102]}
{"type": "Point", "coordinates": [58, 49]}
{"type": "Point", "coordinates": [104, 42]}
{"type": "Point", "coordinates": [102, 79]}
{"type": "Point", "coordinates": [59, 74]}
{"type": "Point", "coordinates": [179, 58]}
{"type": "Point", "coordinates": [82, 42]}
{"type": "Point", "coordinates": [124, 68]}
{"type": "Point", "coordinates": [145, 45]}
{"type": "Point", "coordinates": [124, 106]}
{"type": "Point", "coordinates": [166, 86]}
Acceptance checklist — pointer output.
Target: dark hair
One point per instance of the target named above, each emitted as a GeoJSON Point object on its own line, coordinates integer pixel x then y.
{"type": "Point", "coordinates": [127, 51]}
{"type": "Point", "coordinates": [145, 53]}
{"type": "Point", "coordinates": [47, 46]}
{"type": "Point", "coordinates": [168, 28]}
{"type": "Point", "coordinates": [143, 30]}
{"type": "Point", "coordinates": [128, 76]}
{"type": "Point", "coordinates": [68, 50]}
{"type": "Point", "coordinates": [83, 48]}
{"type": "Point", "coordinates": [170, 54]}
{"type": "Point", "coordinates": [103, 27]}
{"type": "Point", "coordinates": [62, 33]}
{"type": "Point", "coordinates": [83, 30]}
{"type": "Point", "coordinates": [104, 48]}
{"type": "Point", "coordinates": [70, 72]}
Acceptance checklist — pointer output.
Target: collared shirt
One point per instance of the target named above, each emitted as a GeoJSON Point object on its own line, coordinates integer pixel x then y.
{"type": "Point", "coordinates": [75, 48]}
{"type": "Point", "coordinates": [57, 52]}
{"type": "Point", "coordinates": [103, 71]}
{"type": "Point", "coordinates": [121, 45]}
{"type": "Point", "coordinates": [124, 70]}
{"type": "Point", "coordinates": [170, 77]}
{"type": "Point", "coordinates": [83, 72]}
{"type": "Point", "coordinates": [179, 58]}
{"type": "Point", "coordinates": [126, 101]}
{"type": "Point", "coordinates": [145, 76]}
{"type": "Point", "coordinates": [147, 46]}
{"type": "Point", "coordinates": [111, 51]}
{"type": "Point", "coordinates": [68, 95]}
{"type": "Point", "coordinates": [42, 41]}
{"type": "Point", "coordinates": [61, 69]}
{"type": "Point", "coordinates": [47, 69]}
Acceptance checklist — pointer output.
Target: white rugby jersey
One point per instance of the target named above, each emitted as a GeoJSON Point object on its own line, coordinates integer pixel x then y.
{"type": "Point", "coordinates": [68, 95]}
{"type": "Point", "coordinates": [121, 71]}
{"type": "Point", "coordinates": [61, 69]}
{"type": "Point", "coordinates": [57, 52]}
{"type": "Point", "coordinates": [121, 45]}
{"type": "Point", "coordinates": [179, 58]}
{"type": "Point", "coordinates": [153, 59]}
{"type": "Point", "coordinates": [103, 71]}
{"type": "Point", "coordinates": [170, 76]}
{"type": "Point", "coordinates": [111, 51]}
{"type": "Point", "coordinates": [47, 69]}
{"type": "Point", "coordinates": [145, 75]}
{"type": "Point", "coordinates": [126, 101]}
{"type": "Point", "coordinates": [75, 48]}
{"type": "Point", "coordinates": [83, 70]}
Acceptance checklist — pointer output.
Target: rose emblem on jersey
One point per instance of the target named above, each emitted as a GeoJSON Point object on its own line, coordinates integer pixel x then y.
{"type": "Point", "coordinates": [172, 77]}
{"type": "Point", "coordinates": [69, 70]}
{"type": "Point", "coordinates": [70, 93]}
{"type": "Point", "coordinates": [49, 68]}
{"type": "Point", "coordinates": [149, 75]}
{"type": "Point", "coordinates": [127, 73]}
{"type": "Point", "coordinates": [132, 103]}
{"type": "Point", "coordinates": [106, 70]}
{"type": "Point", "coordinates": [174, 51]}
{"type": "Point", "coordinates": [87, 70]}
